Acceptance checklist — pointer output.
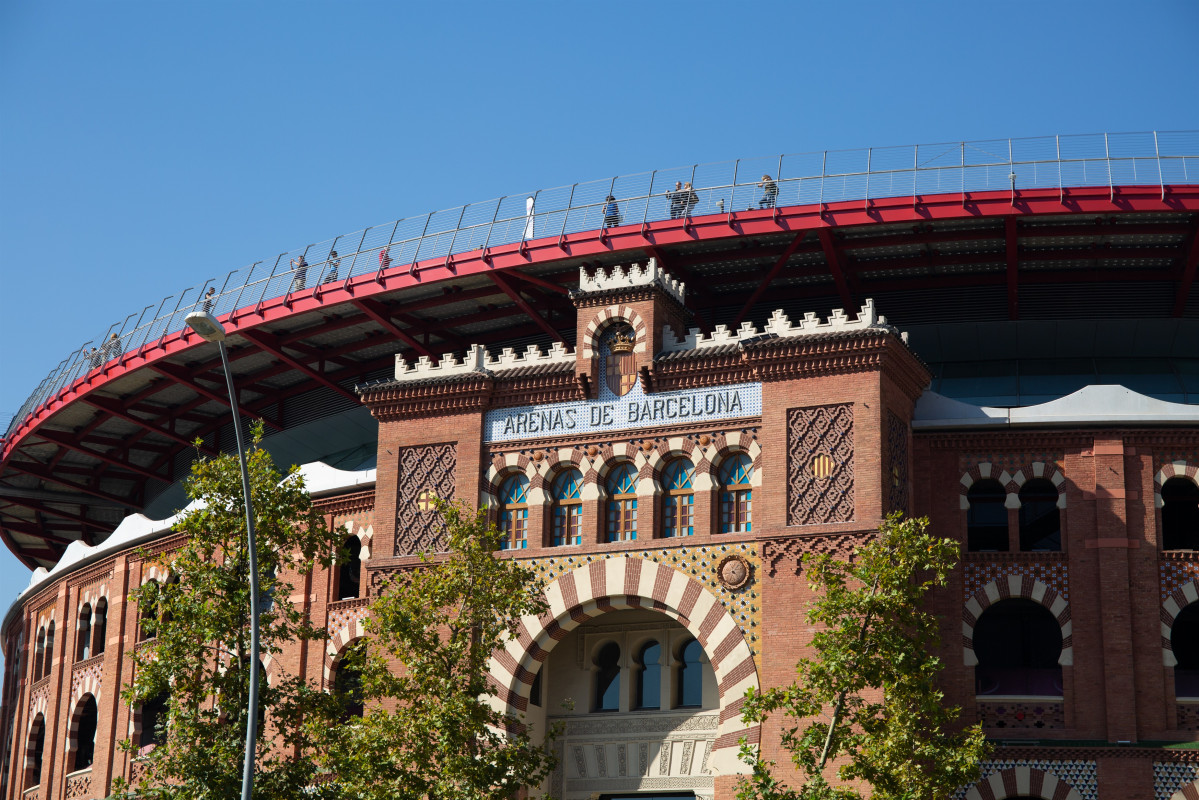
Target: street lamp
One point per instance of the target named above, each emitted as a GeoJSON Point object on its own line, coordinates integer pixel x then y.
{"type": "Point", "coordinates": [206, 325]}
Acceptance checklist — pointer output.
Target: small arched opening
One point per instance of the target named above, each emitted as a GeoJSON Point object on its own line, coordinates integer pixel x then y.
{"type": "Point", "coordinates": [347, 680]}
{"type": "Point", "coordinates": [1018, 643]}
{"type": "Point", "coordinates": [1184, 641]}
{"type": "Point", "coordinates": [100, 626]}
{"type": "Point", "coordinates": [85, 724]}
{"type": "Point", "coordinates": [607, 678]}
{"type": "Point", "coordinates": [153, 718]}
{"type": "Point", "coordinates": [1040, 517]}
{"type": "Point", "coordinates": [349, 572]}
{"type": "Point", "coordinates": [1180, 514]}
{"type": "Point", "coordinates": [83, 634]}
{"type": "Point", "coordinates": [986, 518]}
{"type": "Point", "coordinates": [34, 749]}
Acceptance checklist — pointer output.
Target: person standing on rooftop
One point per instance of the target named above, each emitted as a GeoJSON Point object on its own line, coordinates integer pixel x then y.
{"type": "Point", "coordinates": [300, 265]}
{"type": "Point", "coordinates": [690, 198]}
{"type": "Point", "coordinates": [676, 200]}
{"type": "Point", "coordinates": [611, 212]}
{"type": "Point", "coordinates": [384, 258]}
{"type": "Point", "coordinates": [334, 264]}
{"type": "Point", "coordinates": [770, 192]}
{"type": "Point", "coordinates": [209, 299]}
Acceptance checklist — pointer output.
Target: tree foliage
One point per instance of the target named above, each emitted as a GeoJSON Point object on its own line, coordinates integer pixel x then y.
{"type": "Point", "coordinates": [431, 730]}
{"type": "Point", "coordinates": [867, 701]}
{"type": "Point", "coordinates": [198, 638]}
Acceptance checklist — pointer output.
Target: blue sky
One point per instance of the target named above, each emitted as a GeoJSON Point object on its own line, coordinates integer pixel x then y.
{"type": "Point", "coordinates": [148, 146]}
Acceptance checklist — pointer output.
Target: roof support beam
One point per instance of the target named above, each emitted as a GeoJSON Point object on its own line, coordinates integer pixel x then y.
{"type": "Point", "coordinates": [110, 406]}
{"type": "Point", "coordinates": [54, 512]}
{"type": "Point", "coordinates": [1013, 261]}
{"type": "Point", "coordinates": [68, 441]}
{"type": "Point", "coordinates": [836, 265]}
{"type": "Point", "coordinates": [770, 276]}
{"type": "Point", "coordinates": [524, 305]}
{"type": "Point", "coordinates": [183, 376]}
{"type": "Point", "coordinates": [1188, 274]}
{"type": "Point", "coordinates": [30, 529]}
{"type": "Point", "coordinates": [544, 284]}
{"type": "Point", "coordinates": [270, 343]}
{"type": "Point", "coordinates": [694, 288]}
{"type": "Point", "coordinates": [382, 315]}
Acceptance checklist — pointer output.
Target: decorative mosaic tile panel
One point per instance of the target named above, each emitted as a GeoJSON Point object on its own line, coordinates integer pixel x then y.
{"type": "Point", "coordinates": [783, 555]}
{"type": "Point", "coordinates": [1169, 777]}
{"type": "Point", "coordinates": [1188, 716]}
{"type": "Point", "coordinates": [79, 786]}
{"type": "Point", "coordinates": [744, 604]}
{"type": "Point", "coordinates": [344, 612]}
{"type": "Point", "coordinates": [1022, 715]}
{"type": "Point", "coordinates": [1177, 572]}
{"type": "Point", "coordinates": [1053, 574]}
{"type": "Point", "coordinates": [1161, 459]}
{"type": "Point", "coordinates": [1081, 775]}
{"type": "Point", "coordinates": [897, 464]}
{"type": "Point", "coordinates": [425, 471]}
{"type": "Point", "coordinates": [1010, 461]}
{"type": "Point", "coordinates": [820, 465]}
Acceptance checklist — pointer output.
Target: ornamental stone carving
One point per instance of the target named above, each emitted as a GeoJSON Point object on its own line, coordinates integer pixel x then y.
{"type": "Point", "coordinates": [426, 472]}
{"type": "Point", "coordinates": [733, 571]}
{"type": "Point", "coordinates": [820, 467]}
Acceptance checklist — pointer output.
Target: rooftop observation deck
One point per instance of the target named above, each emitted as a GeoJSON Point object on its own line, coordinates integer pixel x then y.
{"type": "Point", "coordinates": [1051, 231]}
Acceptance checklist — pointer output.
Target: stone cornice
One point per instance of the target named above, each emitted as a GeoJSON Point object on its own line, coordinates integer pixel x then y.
{"type": "Point", "coordinates": [1039, 439]}
{"type": "Point", "coordinates": [346, 503]}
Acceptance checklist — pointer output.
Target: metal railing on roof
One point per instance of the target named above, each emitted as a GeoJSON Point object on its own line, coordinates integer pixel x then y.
{"type": "Point", "coordinates": [829, 176]}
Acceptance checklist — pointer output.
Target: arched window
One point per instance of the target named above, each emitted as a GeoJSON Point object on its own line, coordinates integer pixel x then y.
{"type": "Point", "coordinates": [39, 654]}
{"type": "Point", "coordinates": [83, 636]}
{"type": "Point", "coordinates": [153, 722]}
{"type": "Point", "coordinates": [85, 733]}
{"type": "Point", "coordinates": [514, 512]}
{"type": "Point", "coordinates": [679, 503]}
{"type": "Point", "coordinates": [1018, 643]}
{"type": "Point", "coordinates": [986, 519]}
{"type": "Point", "coordinates": [165, 615]}
{"type": "Point", "coordinates": [100, 626]}
{"type": "Point", "coordinates": [347, 680]}
{"type": "Point", "coordinates": [349, 572]}
{"type": "Point", "coordinates": [736, 498]}
{"type": "Point", "coordinates": [567, 513]}
{"type": "Point", "coordinates": [1040, 520]}
{"type": "Point", "coordinates": [147, 614]}
{"type": "Point", "coordinates": [607, 678]}
{"type": "Point", "coordinates": [33, 751]}
{"type": "Point", "coordinates": [1180, 514]}
{"type": "Point", "coordinates": [690, 691]}
{"type": "Point", "coordinates": [622, 503]}
{"type": "Point", "coordinates": [1184, 639]}
{"type": "Point", "coordinates": [48, 656]}
{"type": "Point", "coordinates": [649, 677]}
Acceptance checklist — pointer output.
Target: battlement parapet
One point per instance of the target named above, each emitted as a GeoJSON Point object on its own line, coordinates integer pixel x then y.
{"type": "Point", "coordinates": [633, 275]}
{"type": "Point", "coordinates": [479, 360]}
{"type": "Point", "coordinates": [779, 325]}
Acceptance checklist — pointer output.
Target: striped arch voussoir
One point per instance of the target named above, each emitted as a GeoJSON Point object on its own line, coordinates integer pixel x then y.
{"type": "Point", "coordinates": [1007, 587]}
{"type": "Point", "coordinates": [607, 317]}
{"type": "Point", "coordinates": [1012, 482]}
{"type": "Point", "coordinates": [365, 535]}
{"type": "Point", "coordinates": [1176, 469]}
{"type": "Point", "coordinates": [91, 596]}
{"type": "Point", "coordinates": [1188, 792]}
{"type": "Point", "coordinates": [74, 718]}
{"type": "Point", "coordinates": [1179, 599]}
{"type": "Point", "coordinates": [340, 641]}
{"type": "Point", "coordinates": [1022, 782]}
{"type": "Point", "coordinates": [625, 582]}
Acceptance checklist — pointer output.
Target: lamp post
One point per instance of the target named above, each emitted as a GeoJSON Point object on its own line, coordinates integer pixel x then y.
{"type": "Point", "coordinates": [206, 325]}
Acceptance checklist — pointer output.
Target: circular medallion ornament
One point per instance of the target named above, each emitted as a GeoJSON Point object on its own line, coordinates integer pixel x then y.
{"type": "Point", "coordinates": [705, 440]}
{"type": "Point", "coordinates": [647, 446]}
{"type": "Point", "coordinates": [538, 457]}
{"type": "Point", "coordinates": [822, 466]}
{"type": "Point", "coordinates": [733, 572]}
{"type": "Point", "coordinates": [593, 451]}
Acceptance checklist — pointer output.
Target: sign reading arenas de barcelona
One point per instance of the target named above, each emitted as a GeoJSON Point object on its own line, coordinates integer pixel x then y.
{"type": "Point", "coordinates": [663, 419]}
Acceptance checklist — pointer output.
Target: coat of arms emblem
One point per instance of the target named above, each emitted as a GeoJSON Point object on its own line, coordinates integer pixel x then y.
{"type": "Point", "coordinates": [620, 372]}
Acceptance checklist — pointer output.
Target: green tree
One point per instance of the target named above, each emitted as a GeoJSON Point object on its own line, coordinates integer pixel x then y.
{"type": "Point", "coordinates": [197, 651]}
{"type": "Point", "coordinates": [867, 700]}
{"type": "Point", "coordinates": [431, 729]}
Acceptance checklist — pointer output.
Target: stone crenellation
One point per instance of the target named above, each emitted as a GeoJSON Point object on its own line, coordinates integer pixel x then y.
{"type": "Point", "coordinates": [635, 274]}
{"type": "Point", "coordinates": [477, 359]}
{"type": "Point", "coordinates": [779, 325]}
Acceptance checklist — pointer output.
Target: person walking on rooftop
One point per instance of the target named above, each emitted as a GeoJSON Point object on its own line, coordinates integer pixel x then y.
{"type": "Point", "coordinates": [94, 358]}
{"type": "Point", "coordinates": [611, 212]}
{"type": "Point", "coordinates": [300, 279]}
{"type": "Point", "coordinates": [209, 299]}
{"type": "Point", "coordinates": [384, 259]}
{"type": "Point", "coordinates": [690, 198]}
{"type": "Point", "coordinates": [334, 264]}
{"type": "Point", "coordinates": [111, 348]}
{"type": "Point", "coordinates": [770, 192]}
{"type": "Point", "coordinates": [676, 200]}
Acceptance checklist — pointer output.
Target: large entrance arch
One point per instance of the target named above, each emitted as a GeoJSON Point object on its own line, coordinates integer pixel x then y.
{"type": "Point", "coordinates": [632, 582]}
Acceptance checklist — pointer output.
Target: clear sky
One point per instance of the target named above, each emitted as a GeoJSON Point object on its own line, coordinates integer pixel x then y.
{"type": "Point", "coordinates": [148, 146]}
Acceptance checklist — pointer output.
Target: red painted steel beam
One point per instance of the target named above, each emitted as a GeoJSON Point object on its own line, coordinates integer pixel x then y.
{"type": "Point", "coordinates": [770, 276]}
{"type": "Point", "coordinates": [32, 529]}
{"type": "Point", "coordinates": [270, 343]}
{"type": "Point", "coordinates": [694, 289]}
{"type": "Point", "coordinates": [382, 315]}
{"type": "Point", "coordinates": [69, 442]}
{"type": "Point", "coordinates": [33, 505]}
{"type": "Point", "coordinates": [1187, 279]}
{"type": "Point", "coordinates": [110, 406]}
{"type": "Point", "coordinates": [544, 284]}
{"type": "Point", "coordinates": [524, 306]}
{"type": "Point", "coordinates": [835, 265]}
{"type": "Point", "coordinates": [1013, 280]}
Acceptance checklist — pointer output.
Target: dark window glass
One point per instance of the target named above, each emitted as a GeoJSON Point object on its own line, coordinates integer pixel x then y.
{"type": "Point", "coordinates": [607, 678]}
{"type": "Point", "coordinates": [154, 721]}
{"type": "Point", "coordinates": [1040, 520]}
{"type": "Point", "coordinates": [535, 690]}
{"type": "Point", "coordinates": [1018, 643]}
{"type": "Point", "coordinates": [85, 738]}
{"type": "Point", "coordinates": [622, 503]}
{"type": "Point", "coordinates": [736, 497]}
{"type": "Point", "coordinates": [349, 573]}
{"type": "Point", "coordinates": [100, 627]}
{"type": "Point", "coordinates": [39, 654]}
{"type": "Point", "coordinates": [37, 744]}
{"type": "Point", "coordinates": [514, 513]}
{"type": "Point", "coordinates": [83, 636]}
{"type": "Point", "coordinates": [986, 519]}
{"type": "Point", "coordinates": [147, 615]}
{"type": "Point", "coordinates": [679, 502]}
{"type": "Point", "coordinates": [1180, 514]}
{"type": "Point", "coordinates": [48, 656]}
{"type": "Point", "coordinates": [691, 678]}
{"type": "Point", "coordinates": [1184, 639]}
{"type": "Point", "coordinates": [568, 509]}
{"type": "Point", "coordinates": [347, 681]}
{"type": "Point", "coordinates": [649, 677]}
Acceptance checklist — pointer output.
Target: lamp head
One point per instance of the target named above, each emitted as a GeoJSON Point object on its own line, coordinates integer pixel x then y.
{"type": "Point", "coordinates": [206, 325]}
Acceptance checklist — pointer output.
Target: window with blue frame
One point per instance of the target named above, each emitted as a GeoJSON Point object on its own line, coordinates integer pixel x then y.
{"type": "Point", "coordinates": [678, 503]}
{"type": "Point", "coordinates": [649, 677]}
{"type": "Point", "coordinates": [567, 514]}
{"type": "Point", "coordinates": [622, 503]}
{"type": "Point", "coordinates": [736, 497]}
{"type": "Point", "coordinates": [607, 678]}
{"type": "Point", "coordinates": [690, 687]}
{"type": "Point", "coordinates": [514, 512]}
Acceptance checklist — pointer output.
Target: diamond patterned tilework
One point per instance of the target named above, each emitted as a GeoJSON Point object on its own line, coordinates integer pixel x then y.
{"type": "Point", "coordinates": [1169, 777]}
{"type": "Point", "coordinates": [424, 470]}
{"type": "Point", "coordinates": [1022, 715]}
{"type": "Point", "coordinates": [820, 465]}
{"type": "Point", "coordinates": [700, 563]}
{"type": "Point", "coordinates": [1176, 572]}
{"type": "Point", "coordinates": [1053, 574]}
{"type": "Point", "coordinates": [1082, 775]}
